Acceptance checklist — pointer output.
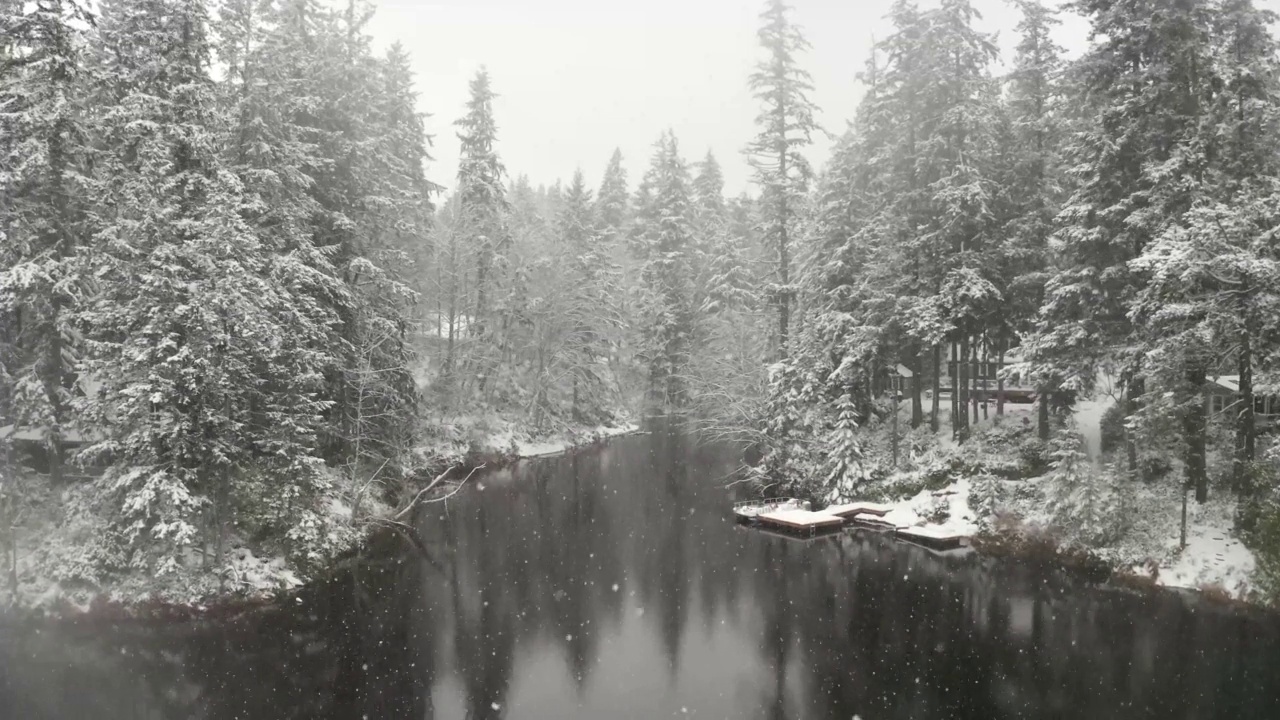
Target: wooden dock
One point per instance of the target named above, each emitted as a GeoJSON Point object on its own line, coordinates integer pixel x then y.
{"type": "Point", "coordinates": [932, 537]}
{"type": "Point", "coordinates": [874, 522]}
{"type": "Point", "coordinates": [802, 521]}
{"type": "Point", "coordinates": [849, 510]}
{"type": "Point", "coordinates": [803, 537]}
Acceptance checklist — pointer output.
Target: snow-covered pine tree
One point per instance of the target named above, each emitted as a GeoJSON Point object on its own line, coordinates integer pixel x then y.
{"type": "Point", "coordinates": [1137, 163]}
{"type": "Point", "coordinates": [273, 144]}
{"type": "Point", "coordinates": [482, 198]}
{"type": "Point", "coordinates": [612, 206]}
{"type": "Point", "coordinates": [1211, 292]}
{"type": "Point", "coordinates": [44, 212]}
{"type": "Point", "coordinates": [208, 377]}
{"type": "Point", "coordinates": [786, 126]}
{"type": "Point", "coordinates": [727, 373]}
{"type": "Point", "coordinates": [1086, 501]}
{"type": "Point", "coordinates": [1032, 175]}
{"type": "Point", "coordinates": [664, 239]}
{"type": "Point", "coordinates": [591, 310]}
{"type": "Point", "coordinates": [1247, 114]}
{"type": "Point", "coordinates": [845, 470]}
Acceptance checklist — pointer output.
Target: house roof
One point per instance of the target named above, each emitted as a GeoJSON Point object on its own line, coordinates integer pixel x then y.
{"type": "Point", "coordinates": [1230, 382]}
{"type": "Point", "coordinates": [40, 434]}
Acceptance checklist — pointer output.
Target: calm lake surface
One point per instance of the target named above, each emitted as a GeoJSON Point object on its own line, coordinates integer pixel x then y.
{"type": "Point", "coordinates": [614, 584]}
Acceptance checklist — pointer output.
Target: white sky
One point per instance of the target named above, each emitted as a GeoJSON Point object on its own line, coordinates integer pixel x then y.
{"type": "Point", "coordinates": [577, 78]}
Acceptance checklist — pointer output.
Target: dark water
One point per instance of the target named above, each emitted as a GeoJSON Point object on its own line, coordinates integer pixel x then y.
{"type": "Point", "coordinates": [614, 585]}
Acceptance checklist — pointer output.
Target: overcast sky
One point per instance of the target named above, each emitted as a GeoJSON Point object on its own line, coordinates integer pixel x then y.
{"type": "Point", "coordinates": [577, 78]}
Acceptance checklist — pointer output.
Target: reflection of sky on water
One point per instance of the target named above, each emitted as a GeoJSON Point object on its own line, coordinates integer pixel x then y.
{"type": "Point", "coordinates": [521, 619]}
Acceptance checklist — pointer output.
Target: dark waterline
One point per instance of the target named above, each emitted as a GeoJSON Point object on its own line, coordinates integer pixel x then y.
{"type": "Point", "coordinates": [613, 584]}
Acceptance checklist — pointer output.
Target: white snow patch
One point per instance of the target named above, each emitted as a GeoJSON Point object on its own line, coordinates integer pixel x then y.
{"type": "Point", "coordinates": [1212, 557]}
{"type": "Point", "coordinates": [916, 511]}
{"type": "Point", "coordinates": [338, 508]}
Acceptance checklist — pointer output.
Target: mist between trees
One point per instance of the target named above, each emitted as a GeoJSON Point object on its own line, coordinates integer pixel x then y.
{"type": "Point", "coordinates": [234, 300]}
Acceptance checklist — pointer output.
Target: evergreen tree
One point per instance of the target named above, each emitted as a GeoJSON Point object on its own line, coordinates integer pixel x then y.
{"type": "Point", "coordinates": [786, 123]}
{"type": "Point", "coordinates": [1247, 113]}
{"type": "Point", "coordinates": [44, 215]}
{"type": "Point", "coordinates": [613, 201]}
{"type": "Point", "coordinates": [207, 371]}
{"type": "Point", "coordinates": [664, 239]}
{"type": "Point", "coordinates": [589, 313]}
{"type": "Point", "coordinates": [481, 196]}
{"type": "Point", "coordinates": [1136, 164]}
{"type": "Point", "coordinates": [1033, 188]}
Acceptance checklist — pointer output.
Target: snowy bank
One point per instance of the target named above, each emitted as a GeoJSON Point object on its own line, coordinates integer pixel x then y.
{"type": "Point", "coordinates": [944, 511]}
{"type": "Point", "coordinates": [1149, 545]}
{"type": "Point", "coordinates": [58, 573]}
{"type": "Point", "coordinates": [455, 441]}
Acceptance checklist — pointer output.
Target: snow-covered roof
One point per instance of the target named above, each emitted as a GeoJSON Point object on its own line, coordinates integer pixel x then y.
{"type": "Point", "coordinates": [1230, 382]}
{"type": "Point", "coordinates": [39, 434]}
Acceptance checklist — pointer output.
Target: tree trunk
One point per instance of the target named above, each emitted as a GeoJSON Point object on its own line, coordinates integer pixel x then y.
{"type": "Point", "coordinates": [1000, 382]}
{"type": "Point", "coordinates": [1246, 431]}
{"type": "Point", "coordinates": [917, 407]}
{"type": "Point", "coordinates": [1042, 413]}
{"type": "Point", "coordinates": [1133, 391]}
{"type": "Point", "coordinates": [953, 372]}
{"type": "Point", "coordinates": [961, 391]}
{"type": "Point", "coordinates": [936, 374]}
{"type": "Point", "coordinates": [784, 251]}
{"type": "Point", "coordinates": [975, 378]}
{"type": "Point", "coordinates": [1195, 430]}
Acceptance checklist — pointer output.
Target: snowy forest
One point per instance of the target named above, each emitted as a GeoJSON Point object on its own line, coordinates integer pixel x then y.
{"type": "Point", "coordinates": [239, 309]}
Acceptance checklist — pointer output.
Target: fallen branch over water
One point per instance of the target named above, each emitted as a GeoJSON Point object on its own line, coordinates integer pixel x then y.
{"type": "Point", "coordinates": [431, 485]}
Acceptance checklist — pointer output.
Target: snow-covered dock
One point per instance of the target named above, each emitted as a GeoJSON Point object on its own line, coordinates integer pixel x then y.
{"type": "Point", "coordinates": [849, 510]}
{"type": "Point", "coordinates": [870, 520]}
{"type": "Point", "coordinates": [748, 511]}
{"type": "Point", "coordinates": [932, 536]}
{"type": "Point", "coordinates": [796, 520]}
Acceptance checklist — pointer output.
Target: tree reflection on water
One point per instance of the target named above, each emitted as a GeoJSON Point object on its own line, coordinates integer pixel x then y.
{"type": "Point", "coordinates": [613, 584]}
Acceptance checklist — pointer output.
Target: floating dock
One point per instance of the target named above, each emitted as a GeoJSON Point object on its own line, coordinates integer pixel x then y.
{"type": "Point", "coordinates": [849, 510]}
{"type": "Point", "coordinates": [875, 522]}
{"type": "Point", "coordinates": [803, 538]}
{"type": "Point", "coordinates": [803, 521]}
{"type": "Point", "coordinates": [932, 537]}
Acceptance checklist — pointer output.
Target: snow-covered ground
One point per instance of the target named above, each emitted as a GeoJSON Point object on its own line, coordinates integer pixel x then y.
{"type": "Point", "coordinates": [51, 546]}
{"type": "Point", "coordinates": [1213, 555]}
{"type": "Point", "coordinates": [511, 440]}
{"type": "Point", "coordinates": [1149, 544]}
{"type": "Point", "coordinates": [945, 510]}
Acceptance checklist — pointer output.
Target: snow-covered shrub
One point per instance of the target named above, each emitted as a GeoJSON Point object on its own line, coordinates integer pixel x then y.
{"type": "Point", "coordinates": [317, 538]}
{"type": "Point", "coordinates": [1265, 543]}
{"type": "Point", "coordinates": [845, 470]}
{"type": "Point", "coordinates": [1111, 429]}
{"type": "Point", "coordinates": [1083, 500]}
{"type": "Point", "coordinates": [1154, 465]}
{"type": "Point", "coordinates": [985, 499]}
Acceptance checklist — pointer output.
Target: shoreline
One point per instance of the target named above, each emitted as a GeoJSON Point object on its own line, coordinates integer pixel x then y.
{"type": "Point", "coordinates": [1040, 550]}
{"type": "Point", "coordinates": [117, 601]}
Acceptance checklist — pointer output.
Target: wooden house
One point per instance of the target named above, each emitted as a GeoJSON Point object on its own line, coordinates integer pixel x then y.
{"type": "Point", "coordinates": [1223, 398]}
{"type": "Point", "coordinates": [985, 375]}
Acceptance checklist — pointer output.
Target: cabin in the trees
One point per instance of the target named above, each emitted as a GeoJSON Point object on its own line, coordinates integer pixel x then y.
{"type": "Point", "coordinates": [1223, 401]}
{"type": "Point", "coordinates": [984, 377]}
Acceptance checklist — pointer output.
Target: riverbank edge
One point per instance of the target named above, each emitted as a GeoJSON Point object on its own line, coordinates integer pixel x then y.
{"type": "Point", "coordinates": [1038, 548]}
{"type": "Point", "coordinates": [222, 605]}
